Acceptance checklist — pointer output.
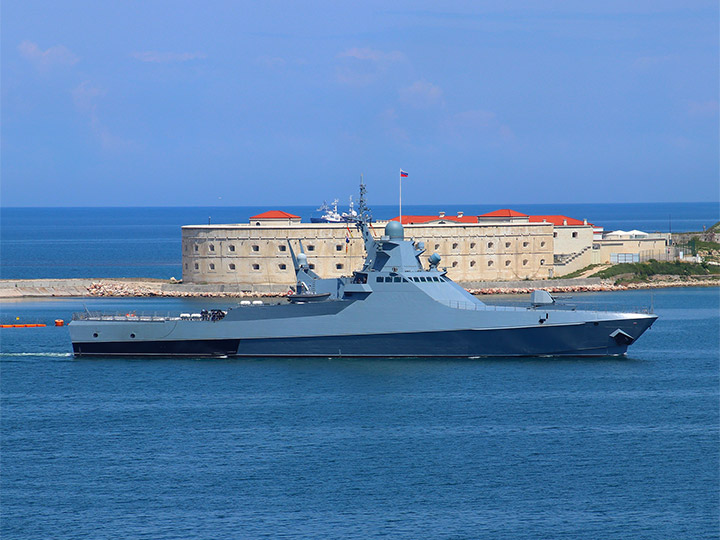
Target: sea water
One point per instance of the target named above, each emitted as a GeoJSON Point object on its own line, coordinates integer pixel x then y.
{"type": "Point", "coordinates": [612, 448]}
{"type": "Point", "coordinates": [146, 242]}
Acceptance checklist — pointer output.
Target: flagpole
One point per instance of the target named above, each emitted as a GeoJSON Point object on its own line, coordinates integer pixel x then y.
{"type": "Point", "coordinates": [400, 177]}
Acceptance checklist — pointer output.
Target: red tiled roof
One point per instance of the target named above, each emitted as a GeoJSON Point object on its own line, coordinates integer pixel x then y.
{"type": "Point", "coordinates": [557, 220]}
{"type": "Point", "coordinates": [505, 212]}
{"type": "Point", "coordinates": [408, 220]}
{"type": "Point", "coordinates": [275, 214]}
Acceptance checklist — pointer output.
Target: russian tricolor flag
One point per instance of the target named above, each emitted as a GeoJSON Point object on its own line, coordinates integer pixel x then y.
{"type": "Point", "coordinates": [403, 174]}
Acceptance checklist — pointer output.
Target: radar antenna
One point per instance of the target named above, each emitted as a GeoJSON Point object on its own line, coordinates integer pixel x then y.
{"type": "Point", "coordinates": [364, 215]}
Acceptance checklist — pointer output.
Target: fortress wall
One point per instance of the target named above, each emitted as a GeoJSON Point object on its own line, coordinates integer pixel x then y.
{"type": "Point", "coordinates": [248, 255]}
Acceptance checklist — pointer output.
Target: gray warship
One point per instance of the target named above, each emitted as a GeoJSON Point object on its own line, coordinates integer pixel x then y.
{"type": "Point", "coordinates": [394, 306]}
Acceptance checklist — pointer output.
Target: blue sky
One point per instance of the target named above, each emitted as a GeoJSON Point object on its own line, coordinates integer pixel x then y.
{"type": "Point", "coordinates": [238, 103]}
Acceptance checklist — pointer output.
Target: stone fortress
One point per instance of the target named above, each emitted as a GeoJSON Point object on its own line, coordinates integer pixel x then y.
{"type": "Point", "coordinates": [499, 246]}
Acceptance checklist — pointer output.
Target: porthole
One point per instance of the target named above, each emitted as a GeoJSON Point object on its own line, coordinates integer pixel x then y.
{"type": "Point", "coordinates": [339, 266]}
{"type": "Point", "coordinates": [212, 248]}
{"type": "Point", "coordinates": [256, 248]}
{"type": "Point", "coordinates": [525, 261]}
{"type": "Point", "coordinates": [472, 245]}
{"type": "Point", "coordinates": [542, 244]}
{"type": "Point", "coordinates": [472, 263]}
{"type": "Point", "coordinates": [232, 248]}
{"type": "Point", "coordinates": [454, 264]}
{"type": "Point", "coordinates": [455, 246]}
{"type": "Point", "coordinates": [132, 336]}
{"type": "Point", "coordinates": [338, 247]}
{"type": "Point", "coordinates": [282, 266]}
{"type": "Point", "coordinates": [212, 266]}
{"type": "Point", "coordinates": [542, 262]}
{"type": "Point", "coordinates": [282, 247]}
{"type": "Point", "coordinates": [574, 234]}
{"type": "Point", "coordinates": [507, 244]}
{"type": "Point", "coordinates": [256, 267]}
{"type": "Point", "coordinates": [232, 266]}
{"type": "Point", "coordinates": [526, 244]}
{"type": "Point", "coordinates": [507, 263]}
{"type": "Point", "coordinates": [490, 245]}
{"type": "Point", "coordinates": [490, 263]}
{"type": "Point", "coordinates": [95, 334]}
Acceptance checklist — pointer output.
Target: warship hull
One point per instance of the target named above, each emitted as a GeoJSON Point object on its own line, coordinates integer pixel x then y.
{"type": "Point", "coordinates": [597, 338]}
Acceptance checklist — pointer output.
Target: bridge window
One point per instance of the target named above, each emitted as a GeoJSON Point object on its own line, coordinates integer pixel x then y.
{"type": "Point", "coordinates": [196, 247]}
{"type": "Point", "coordinates": [422, 279]}
{"type": "Point", "coordinates": [339, 266]}
{"type": "Point", "coordinates": [312, 266]}
{"type": "Point", "coordinates": [338, 247]}
{"type": "Point", "coordinates": [212, 266]}
{"type": "Point", "coordinates": [397, 279]}
{"type": "Point", "coordinates": [196, 266]}
{"type": "Point", "coordinates": [311, 248]}
{"type": "Point", "coordinates": [380, 279]}
{"type": "Point", "coordinates": [256, 267]}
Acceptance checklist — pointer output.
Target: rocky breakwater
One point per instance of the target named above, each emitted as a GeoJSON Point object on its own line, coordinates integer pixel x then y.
{"type": "Point", "coordinates": [152, 289]}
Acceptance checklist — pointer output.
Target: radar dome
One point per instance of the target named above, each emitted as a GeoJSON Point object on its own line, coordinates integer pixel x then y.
{"type": "Point", "coordinates": [302, 259]}
{"type": "Point", "coordinates": [394, 229]}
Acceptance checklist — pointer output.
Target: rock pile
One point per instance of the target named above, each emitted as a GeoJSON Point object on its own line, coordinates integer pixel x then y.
{"type": "Point", "coordinates": [120, 289]}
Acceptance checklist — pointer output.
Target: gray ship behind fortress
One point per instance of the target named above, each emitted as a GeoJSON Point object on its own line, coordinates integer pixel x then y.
{"type": "Point", "coordinates": [392, 307]}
